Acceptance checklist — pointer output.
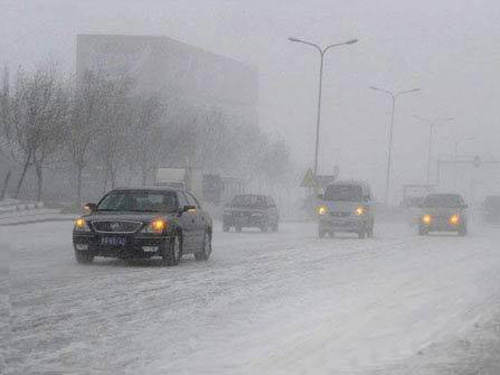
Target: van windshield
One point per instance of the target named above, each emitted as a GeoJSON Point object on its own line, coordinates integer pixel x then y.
{"type": "Point", "coordinates": [347, 193]}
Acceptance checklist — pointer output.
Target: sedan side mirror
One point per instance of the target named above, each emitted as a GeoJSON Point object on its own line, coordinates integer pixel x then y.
{"type": "Point", "coordinates": [89, 207]}
{"type": "Point", "coordinates": [188, 208]}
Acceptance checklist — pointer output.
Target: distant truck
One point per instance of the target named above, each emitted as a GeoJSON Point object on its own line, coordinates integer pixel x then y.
{"type": "Point", "coordinates": [190, 179]}
{"type": "Point", "coordinates": [210, 188]}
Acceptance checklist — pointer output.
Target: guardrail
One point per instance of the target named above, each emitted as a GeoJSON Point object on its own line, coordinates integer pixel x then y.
{"type": "Point", "coordinates": [12, 205]}
{"type": "Point", "coordinates": [15, 212]}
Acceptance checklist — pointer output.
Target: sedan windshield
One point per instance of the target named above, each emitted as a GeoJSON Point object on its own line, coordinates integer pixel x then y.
{"type": "Point", "coordinates": [139, 201]}
{"type": "Point", "coordinates": [443, 200]}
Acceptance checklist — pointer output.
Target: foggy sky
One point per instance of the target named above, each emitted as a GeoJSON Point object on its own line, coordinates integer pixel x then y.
{"type": "Point", "coordinates": [448, 48]}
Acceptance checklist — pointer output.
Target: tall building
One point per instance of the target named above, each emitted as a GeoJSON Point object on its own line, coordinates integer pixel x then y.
{"type": "Point", "coordinates": [177, 70]}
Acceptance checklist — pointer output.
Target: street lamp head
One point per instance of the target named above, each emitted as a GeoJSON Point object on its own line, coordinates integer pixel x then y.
{"type": "Point", "coordinates": [352, 41]}
{"type": "Point", "coordinates": [408, 91]}
{"type": "Point", "coordinates": [292, 39]}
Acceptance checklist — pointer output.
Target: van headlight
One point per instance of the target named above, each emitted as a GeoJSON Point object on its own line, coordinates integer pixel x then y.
{"type": "Point", "coordinates": [454, 219]}
{"type": "Point", "coordinates": [81, 225]}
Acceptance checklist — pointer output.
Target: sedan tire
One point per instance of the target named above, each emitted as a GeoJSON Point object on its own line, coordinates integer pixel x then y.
{"type": "Point", "coordinates": [206, 249]}
{"type": "Point", "coordinates": [83, 257]}
{"type": "Point", "coordinates": [172, 251]}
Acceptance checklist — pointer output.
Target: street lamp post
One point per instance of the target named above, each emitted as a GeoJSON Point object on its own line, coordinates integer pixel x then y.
{"type": "Point", "coordinates": [432, 125]}
{"type": "Point", "coordinates": [394, 97]}
{"type": "Point", "coordinates": [322, 52]}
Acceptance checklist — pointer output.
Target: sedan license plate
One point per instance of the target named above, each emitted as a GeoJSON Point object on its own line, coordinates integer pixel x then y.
{"type": "Point", "coordinates": [113, 241]}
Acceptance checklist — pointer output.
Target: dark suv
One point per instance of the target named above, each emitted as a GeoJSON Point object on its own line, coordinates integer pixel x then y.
{"type": "Point", "coordinates": [250, 210]}
{"type": "Point", "coordinates": [144, 223]}
{"type": "Point", "coordinates": [443, 213]}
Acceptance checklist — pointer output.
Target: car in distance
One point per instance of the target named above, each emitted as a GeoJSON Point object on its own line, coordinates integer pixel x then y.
{"type": "Point", "coordinates": [346, 207]}
{"type": "Point", "coordinates": [491, 209]}
{"type": "Point", "coordinates": [144, 223]}
{"type": "Point", "coordinates": [251, 211]}
{"type": "Point", "coordinates": [443, 213]}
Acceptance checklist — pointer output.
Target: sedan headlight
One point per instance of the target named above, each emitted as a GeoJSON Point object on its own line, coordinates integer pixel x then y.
{"type": "Point", "coordinates": [81, 225]}
{"type": "Point", "coordinates": [156, 226]}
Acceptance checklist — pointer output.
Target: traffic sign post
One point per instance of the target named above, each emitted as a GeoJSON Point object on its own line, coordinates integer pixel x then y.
{"type": "Point", "coordinates": [309, 180]}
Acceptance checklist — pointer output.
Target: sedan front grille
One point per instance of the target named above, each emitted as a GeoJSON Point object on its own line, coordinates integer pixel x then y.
{"type": "Point", "coordinates": [340, 214]}
{"type": "Point", "coordinates": [116, 226]}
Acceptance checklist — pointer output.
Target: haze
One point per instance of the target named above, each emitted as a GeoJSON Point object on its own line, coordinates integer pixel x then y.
{"type": "Point", "coordinates": [446, 48]}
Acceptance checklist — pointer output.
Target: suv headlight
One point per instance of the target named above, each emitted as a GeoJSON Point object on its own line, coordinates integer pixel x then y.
{"type": "Point", "coordinates": [81, 225]}
{"type": "Point", "coordinates": [156, 226]}
{"type": "Point", "coordinates": [322, 210]}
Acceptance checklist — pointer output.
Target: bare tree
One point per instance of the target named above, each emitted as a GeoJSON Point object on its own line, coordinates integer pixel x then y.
{"type": "Point", "coordinates": [115, 124]}
{"type": "Point", "coordinates": [39, 113]}
{"type": "Point", "coordinates": [87, 114]}
{"type": "Point", "coordinates": [5, 125]}
{"type": "Point", "coordinates": [146, 135]}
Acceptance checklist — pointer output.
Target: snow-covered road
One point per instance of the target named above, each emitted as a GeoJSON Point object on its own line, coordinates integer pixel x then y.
{"type": "Point", "coordinates": [276, 303]}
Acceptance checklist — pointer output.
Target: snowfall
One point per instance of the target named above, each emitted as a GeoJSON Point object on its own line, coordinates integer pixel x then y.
{"type": "Point", "coordinates": [265, 303]}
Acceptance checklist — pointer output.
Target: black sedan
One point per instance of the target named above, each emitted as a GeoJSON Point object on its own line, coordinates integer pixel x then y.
{"type": "Point", "coordinates": [443, 213]}
{"type": "Point", "coordinates": [144, 223]}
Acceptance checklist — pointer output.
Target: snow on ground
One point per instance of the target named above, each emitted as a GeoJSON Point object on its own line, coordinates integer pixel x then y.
{"type": "Point", "coordinates": [274, 303]}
